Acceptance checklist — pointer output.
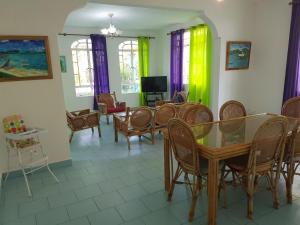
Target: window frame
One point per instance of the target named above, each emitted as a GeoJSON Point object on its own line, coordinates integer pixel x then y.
{"type": "Point", "coordinates": [88, 49]}
{"type": "Point", "coordinates": [132, 50]}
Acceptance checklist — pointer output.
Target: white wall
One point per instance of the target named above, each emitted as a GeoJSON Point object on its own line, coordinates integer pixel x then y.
{"type": "Point", "coordinates": [40, 101]}
{"type": "Point", "coordinates": [74, 103]}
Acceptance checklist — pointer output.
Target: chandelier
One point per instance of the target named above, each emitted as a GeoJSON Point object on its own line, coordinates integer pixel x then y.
{"type": "Point", "coordinates": [111, 30]}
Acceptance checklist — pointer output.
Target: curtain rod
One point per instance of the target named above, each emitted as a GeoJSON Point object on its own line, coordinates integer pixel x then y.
{"type": "Point", "coordinates": [185, 29]}
{"type": "Point", "coordinates": [87, 35]}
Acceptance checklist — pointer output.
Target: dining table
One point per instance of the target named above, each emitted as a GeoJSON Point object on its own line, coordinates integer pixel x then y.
{"type": "Point", "coordinates": [217, 141]}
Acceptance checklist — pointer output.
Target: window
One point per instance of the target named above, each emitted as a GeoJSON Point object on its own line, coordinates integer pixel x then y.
{"type": "Point", "coordinates": [129, 67]}
{"type": "Point", "coordinates": [186, 57]}
{"type": "Point", "coordinates": [83, 67]}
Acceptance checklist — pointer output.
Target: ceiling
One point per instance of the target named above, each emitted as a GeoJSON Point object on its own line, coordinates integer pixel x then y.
{"type": "Point", "coordinates": [127, 17]}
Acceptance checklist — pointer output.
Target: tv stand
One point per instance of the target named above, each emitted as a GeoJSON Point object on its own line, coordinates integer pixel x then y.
{"type": "Point", "coordinates": [152, 97]}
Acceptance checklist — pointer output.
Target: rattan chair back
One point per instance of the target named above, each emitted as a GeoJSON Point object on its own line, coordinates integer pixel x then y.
{"type": "Point", "coordinates": [232, 109]}
{"type": "Point", "coordinates": [198, 114]}
{"type": "Point", "coordinates": [291, 107]}
{"type": "Point", "coordinates": [183, 143]}
{"type": "Point", "coordinates": [141, 118]}
{"type": "Point", "coordinates": [183, 108]}
{"type": "Point", "coordinates": [268, 143]}
{"type": "Point", "coordinates": [163, 114]}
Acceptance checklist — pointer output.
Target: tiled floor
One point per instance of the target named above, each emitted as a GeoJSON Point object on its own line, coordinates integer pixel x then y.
{"type": "Point", "coordinates": [108, 185]}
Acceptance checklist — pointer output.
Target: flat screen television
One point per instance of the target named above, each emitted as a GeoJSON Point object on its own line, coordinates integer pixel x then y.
{"type": "Point", "coordinates": [154, 84]}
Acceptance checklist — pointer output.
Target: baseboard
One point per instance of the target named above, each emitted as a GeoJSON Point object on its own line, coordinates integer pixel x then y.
{"type": "Point", "coordinates": [18, 173]}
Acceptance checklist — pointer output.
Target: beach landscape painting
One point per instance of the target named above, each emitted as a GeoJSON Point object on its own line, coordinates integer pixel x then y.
{"type": "Point", "coordinates": [238, 55]}
{"type": "Point", "coordinates": [24, 58]}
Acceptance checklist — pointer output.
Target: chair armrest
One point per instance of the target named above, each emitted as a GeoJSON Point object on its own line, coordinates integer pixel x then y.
{"type": "Point", "coordinates": [92, 119]}
{"type": "Point", "coordinates": [102, 107]}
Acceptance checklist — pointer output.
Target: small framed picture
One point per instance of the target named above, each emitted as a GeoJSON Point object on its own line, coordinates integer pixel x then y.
{"type": "Point", "coordinates": [63, 65]}
{"type": "Point", "coordinates": [238, 55]}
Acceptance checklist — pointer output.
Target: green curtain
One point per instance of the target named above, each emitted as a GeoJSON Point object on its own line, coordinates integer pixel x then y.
{"type": "Point", "coordinates": [200, 64]}
{"type": "Point", "coordinates": [144, 55]}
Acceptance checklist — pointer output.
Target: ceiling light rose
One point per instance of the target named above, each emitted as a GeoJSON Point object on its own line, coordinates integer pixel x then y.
{"type": "Point", "coordinates": [111, 30]}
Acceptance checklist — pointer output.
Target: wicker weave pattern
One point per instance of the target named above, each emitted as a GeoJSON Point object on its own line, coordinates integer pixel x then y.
{"type": "Point", "coordinates": [184, 146]}
{"type": "Point", "coordinates": [291, 108]}
{"type": "Point", "coordinates": [136, 123]}
{"type": "Point", "coordinates": [264, 159]}
{"type": "Point", "coordinates": [232, 109]}
{"type": "Point", "coordinates": [163, 114]}
{"type": "Point", "coordinates": [83, 119]}
{"type": "Point", "coordinates": [182, 109]}
{"type": "Point", "coordinates": [198, 114]}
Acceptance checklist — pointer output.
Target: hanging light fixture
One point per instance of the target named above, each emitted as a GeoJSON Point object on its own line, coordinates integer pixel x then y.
{"type": "Point", "coordinates": [111, 30]}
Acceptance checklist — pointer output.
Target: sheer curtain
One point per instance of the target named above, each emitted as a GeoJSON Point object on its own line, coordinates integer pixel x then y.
{"type": "Point", "coordinates": [200, 64]}
{"type": "Point", "coordinates": [144, 53]}
{"type": "Point", "coordinates": [101, 78]}
{"type": "Point", "coordinates": [292, 81]}
{"type": "Point", "coordinates": [176, 61]}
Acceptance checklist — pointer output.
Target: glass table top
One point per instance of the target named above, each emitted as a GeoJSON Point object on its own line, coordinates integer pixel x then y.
{"type": "Point", "coordinates": [222, 134]}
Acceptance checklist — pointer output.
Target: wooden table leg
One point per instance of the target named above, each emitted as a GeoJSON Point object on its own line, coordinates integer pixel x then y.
{"type": "Point", "coordinates": [213, 169]}
{"type": "Point", "coordinates": [289, 183]}
{"type": "Point", "coordinates": [167, 163]}
{"type": "Point", "coordinates": [115, 128]}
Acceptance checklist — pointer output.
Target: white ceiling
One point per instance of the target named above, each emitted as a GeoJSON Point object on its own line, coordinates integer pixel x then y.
{"type": "Point", "coordinates": [128, 18]}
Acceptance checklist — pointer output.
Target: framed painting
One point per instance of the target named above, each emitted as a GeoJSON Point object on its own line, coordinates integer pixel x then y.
{"type": "Point", "coordinates": [238, 55]}
{"type": "Point", "coordinates": [63, 64]}
{"type": "Point", "coordinates": [24, 58]}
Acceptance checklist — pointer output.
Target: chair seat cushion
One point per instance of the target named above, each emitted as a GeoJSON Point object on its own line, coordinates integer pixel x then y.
{"type": "Point", "coordinates": [116, 109]}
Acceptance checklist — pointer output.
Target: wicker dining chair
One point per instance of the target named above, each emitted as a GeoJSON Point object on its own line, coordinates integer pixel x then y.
{"type": "Point", "coordinates": [264, 160]}
{"type": "Point", "coordinates": [181, 109]}
{"type": "Point", "coordinates": [232, 109]}
{"type": "Point", "coordinates": [198, 113]}
{"type": "Point", "coordinates": [291, 108]}
{"type": "Point", "coordinates": [137, 122]}
{"type": "Point", "coordinates": [162, 115]}
{"type": "Point", "coordinates": [291, 159]}
{"type": "Point", "coordinates": [184, 147]}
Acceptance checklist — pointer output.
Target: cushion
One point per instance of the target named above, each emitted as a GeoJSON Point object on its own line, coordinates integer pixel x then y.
{"type": "Point", "coordinates": [115, 110]}
{"type": "Point", "coordinates": [107, 99]}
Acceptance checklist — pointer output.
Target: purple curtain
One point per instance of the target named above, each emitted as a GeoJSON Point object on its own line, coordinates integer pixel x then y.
{"type": "Point", "coordinates": [101, 79]}
{"type": "Point", "coordinates": [292, 76]}
{"type": "Point", "coordinates": [176, 61]}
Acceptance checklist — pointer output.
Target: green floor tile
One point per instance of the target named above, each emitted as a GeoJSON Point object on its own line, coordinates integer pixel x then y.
{"type": "Point", "coordinates": [107, 217]}
{"type": "Point", "coordinates": [81, 208]}
{"type": "Point", "coordinates": [79, 221]}
{"type": "Point", "coordinates": [52, 217]}
{"type": "Point", "coordinates": [88, 191]}
{"type": "Point", "coordinates": [109, 200]}
{"type": "Point", "coordinates": [132, 210]}
{"type": "Point", "coordinates": [34, 207]}
{"type": "Point", "coordinates": [62, 199]}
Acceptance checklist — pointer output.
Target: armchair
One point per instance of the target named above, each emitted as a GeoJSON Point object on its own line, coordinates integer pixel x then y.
{"type": "Point", "coordinates": [137, 122]}
{"type": "Point", "coordinates": [108, 104]}
{"type": "Point", "coordinates": [83, 119]}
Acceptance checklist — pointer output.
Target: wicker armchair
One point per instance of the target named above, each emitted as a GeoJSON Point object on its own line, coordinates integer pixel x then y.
{"type": "Point", "coordinates": [108, 104]}
{"type": "Point", "coordinates": [83, 119]}
{"type": "Point", "coordinates": [184, 147]}
{"type": "Point", "coordinates": [232, 109]}
{"type": "Point", "coordinates": [264, 160]}
{"type": "Point", "coordinates": [137, 122]}
{"type": "Point", "coordinates": [198, 113]}
{"type": "Point", "coordinates": [162, 115]}
{"type": "Point", "coordinates": [179, 97]}
{"type": "Point", "coordinates": [291, 108]}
